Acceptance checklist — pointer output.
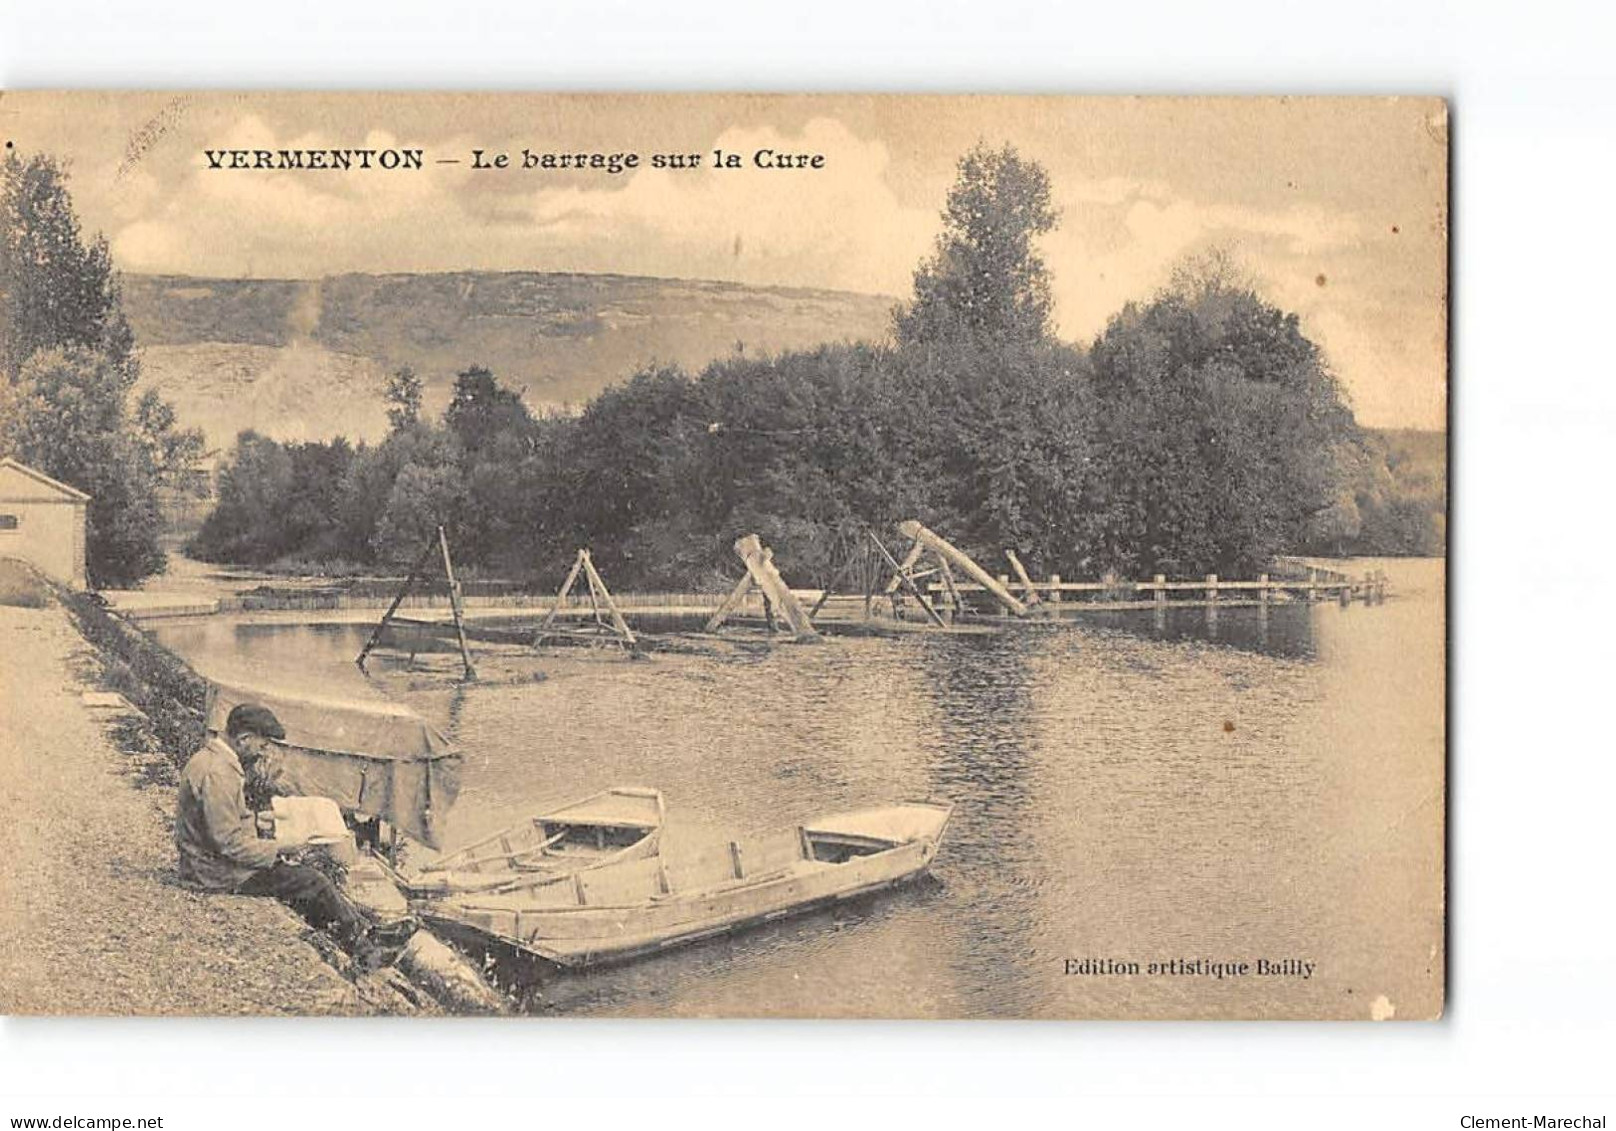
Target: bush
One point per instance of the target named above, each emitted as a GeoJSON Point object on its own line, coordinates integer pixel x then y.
{"type": "Point", "coordinates": [20, 587]}
{"type": "Point", "coordinates": [172, 695]}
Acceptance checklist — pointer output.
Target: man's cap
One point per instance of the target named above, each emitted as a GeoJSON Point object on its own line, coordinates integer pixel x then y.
{"type": "Point", "coordinates": [251, 718]}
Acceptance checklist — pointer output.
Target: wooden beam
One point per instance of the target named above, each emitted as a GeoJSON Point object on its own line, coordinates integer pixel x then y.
{"type": "Point", "coordinates": [561, 595]}
{"type": "Point", "coordinates": [1021, 574]}
{"type": "Point", "coordinates": [958, 557]}
{"type": "Point", "coordinates": [595, 582]}
{"type": "Point", "coordinates": [760, 564]}
{"type": "Point", "coordinates": [454, 605]}
{"type": "Point", "coordinates": [901, 569]}
{"type": "Point", "coordinates": [730, 603]}
{"type": "Point", "coordinates": [903, 578]}
{"type": "Point", "coordinates": [398, 599]}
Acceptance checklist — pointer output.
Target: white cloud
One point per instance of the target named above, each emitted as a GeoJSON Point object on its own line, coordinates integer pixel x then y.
{"type": "Point", "coordinates": [836, 227]}
{"type": "Point", "coordinates": [840, 227]}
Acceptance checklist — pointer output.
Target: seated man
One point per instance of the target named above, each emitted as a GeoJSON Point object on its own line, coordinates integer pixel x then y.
{"type": "Point", "coordinates": [218, 841]}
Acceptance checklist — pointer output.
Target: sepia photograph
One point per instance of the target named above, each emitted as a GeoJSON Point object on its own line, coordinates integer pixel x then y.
{"type": "Point", "coordinates": [723, 556]}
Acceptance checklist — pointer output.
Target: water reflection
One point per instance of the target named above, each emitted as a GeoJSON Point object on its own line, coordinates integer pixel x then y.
{"type": "Point", "coordinates": [1129, 787]}
{"type": "Point", "coordinates": [979, 689]}
{"type": "Point", "coordinates": [1274, 630]}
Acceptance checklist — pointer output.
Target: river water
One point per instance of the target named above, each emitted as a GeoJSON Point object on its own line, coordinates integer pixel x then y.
{"type": "Point", "coordinates": [1253, 786]}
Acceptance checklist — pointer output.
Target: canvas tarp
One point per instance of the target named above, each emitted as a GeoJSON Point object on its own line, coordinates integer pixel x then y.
{"type": "Point", "coordinates": [375, 759]}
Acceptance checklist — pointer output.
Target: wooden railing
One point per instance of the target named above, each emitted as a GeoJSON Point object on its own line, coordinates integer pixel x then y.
{"type": "Point", "coordinates": [1317, 584]}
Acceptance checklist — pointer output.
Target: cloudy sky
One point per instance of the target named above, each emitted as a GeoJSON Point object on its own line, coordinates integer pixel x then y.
{"type": "Point", "coordinates": [1337, 207]}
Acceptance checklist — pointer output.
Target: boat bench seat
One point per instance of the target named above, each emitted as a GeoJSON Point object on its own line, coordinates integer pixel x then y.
{"type": "Point", "coordinates": [704, 869]}
{"type": "Point", "coordinates": [743, 859]}
{"type": "Point", "coordinates": [639, 880]}
{"type": "Point", "coordinates": [632, 882]}
{"type": "Point", "coordinates": [772, 853]}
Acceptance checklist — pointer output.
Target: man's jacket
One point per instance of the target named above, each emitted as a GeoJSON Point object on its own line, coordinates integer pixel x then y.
{"type": "Point", "coordinates": [213, 828]}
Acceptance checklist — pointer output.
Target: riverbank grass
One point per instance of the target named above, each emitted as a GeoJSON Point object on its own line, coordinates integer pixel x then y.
{"type": "Point", "coordinates": [20, 587]}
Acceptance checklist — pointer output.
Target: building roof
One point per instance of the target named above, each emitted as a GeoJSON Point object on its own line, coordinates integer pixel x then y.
{"type": "Point", "coordinates": [24, 484]}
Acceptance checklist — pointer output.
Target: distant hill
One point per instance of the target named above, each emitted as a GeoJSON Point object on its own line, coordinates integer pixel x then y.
{"type": "Point", "coordinates": [307, 358]}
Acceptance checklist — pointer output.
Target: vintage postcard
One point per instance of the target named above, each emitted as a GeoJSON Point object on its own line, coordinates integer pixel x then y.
{"type": "Point", "coordinates": [723, 556]}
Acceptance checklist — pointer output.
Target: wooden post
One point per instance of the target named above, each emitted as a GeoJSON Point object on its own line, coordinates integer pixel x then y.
{"type": "Point", "coordinates": [446, 976]}
{"type": "Point", "coordinates": [1021, 572]}
{"type": "Point", "coordinates": [1054, 589]}
{"type": "Point", "coordinates": [596, 584]}
{"type": "Point", "coordinates": [454, 605]}
{"type": "Point", "coordinates": [1160, 585]}
{"type": "Point", "coordinates": [869, 579]}
{"type": "Point", "coordinates": [1312, 584]}
{"type": "Point", "coordinates": [1212, 588]}
{"type": "Point", "coordinates": [954, 604]}
{"type": "Point", "coordinates": [1262, 592]}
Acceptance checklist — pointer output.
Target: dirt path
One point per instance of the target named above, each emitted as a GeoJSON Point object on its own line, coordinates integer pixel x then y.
{"type": "Point", "coordinates": [92, 919]}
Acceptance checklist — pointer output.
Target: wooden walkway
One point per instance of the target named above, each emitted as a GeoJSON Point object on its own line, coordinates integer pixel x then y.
{"type": "Point", "coordinates": [1054, 595]}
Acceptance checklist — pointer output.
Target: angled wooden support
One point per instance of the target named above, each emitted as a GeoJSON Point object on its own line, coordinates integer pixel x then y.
{"type": "Point", "coordinates": [439, 543]}
{"type": "Point", "coordinates": [455, 605]}
{"type": "Point", "coordinates": [837, 578]}
{"type": "Point", "coordinates": [901, 578]}
{"type": "Point", "coordinates": [952, 554]}
{"type": "Point", "coordinates": [730, 603]}
{"type": "Point", "coordinates": [901, 569]}
{"type": "Point", "coordinates": [597, 587]}
{"type": "Point", "coordinates": [762, 575]}
{"type": "Point", "coordinates": [561, 596]}
{"type": "Point", "coordinates": [599, 598]}
{"type": "Point", "coordinates": [398, 599]}
{"type": "Point", "coordinates": [1021, 575]}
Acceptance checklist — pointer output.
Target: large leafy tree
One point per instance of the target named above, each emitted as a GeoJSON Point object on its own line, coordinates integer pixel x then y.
{"type": "Point", "coordinates": [67, 368]}
{"type": "Point", "coordinates": [64, 414]}
{"type": "Point", "coordinates": [986, 282]}
{"type": "Point", "coordinates": [57, 290]}
{"type": "Point", "coordinates": [1223, 437]}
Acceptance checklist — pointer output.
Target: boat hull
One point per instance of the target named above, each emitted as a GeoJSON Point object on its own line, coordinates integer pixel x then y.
{"type": "Point", "coordinates": [582, 935]}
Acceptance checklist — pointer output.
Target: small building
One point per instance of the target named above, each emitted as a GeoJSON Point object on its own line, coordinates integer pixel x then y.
{"type": "Point", "coordinates": [42, 523]}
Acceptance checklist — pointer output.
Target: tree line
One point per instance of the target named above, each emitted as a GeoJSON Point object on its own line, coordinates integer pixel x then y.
{"type": "Point", "coordinates": [1201, 432]}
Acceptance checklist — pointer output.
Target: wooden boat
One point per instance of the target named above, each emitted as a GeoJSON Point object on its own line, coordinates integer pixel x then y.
{"type": "Point", "coordinates": [641, 907]}
{"type": "Point", "coordinates": [613, 826]}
